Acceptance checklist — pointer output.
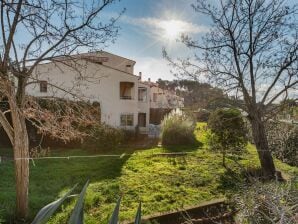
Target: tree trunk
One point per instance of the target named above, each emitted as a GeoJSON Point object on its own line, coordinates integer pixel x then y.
{"type": "Point", "coordinates": [21, 155]}
{"type": "Point", "coordinates": [260, 140]}
{"type": "Point", "coordinates": [21, 150]}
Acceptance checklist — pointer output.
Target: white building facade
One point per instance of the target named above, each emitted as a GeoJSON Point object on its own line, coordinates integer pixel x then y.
{"type": "Point", "coordinates": [97, 77]}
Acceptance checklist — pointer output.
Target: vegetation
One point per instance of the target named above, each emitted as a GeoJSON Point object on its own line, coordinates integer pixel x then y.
{"type": "Point", "coordinates": [177, 129]}
{"type": "Point", "coordinates": [268, 203]}
{"type": "Point", "coordinates": [241, 53]}
{"type": "Point", "coordinates": [103, 137]}
{"type": "Point", "coordinates": [196, 94]}
{"type": "Point", "coordinates": [283, 141]}
{"type": "Point", "coordinates": [202, 115]}
{"type": "Point", "coordinates": [77, 215]}
{"type": "Point", "coordinates": [161, 182]}
{"type": "Point", "coordinates": [44, 40]}
{"type": "Point", "coordinates": [228, 132]}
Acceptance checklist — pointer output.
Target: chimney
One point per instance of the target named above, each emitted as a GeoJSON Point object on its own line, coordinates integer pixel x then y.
{"type": "Point", "coordinates": [140, 76]}
{"type": "Point", "coordinates": [149, 80]}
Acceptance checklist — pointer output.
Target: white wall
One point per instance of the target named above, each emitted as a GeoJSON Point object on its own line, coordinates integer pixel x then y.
{"type": "Point", "coordinates": [165, 98]}
{"type": "Point", "coordinates": [144, 107]}
{"type": "Point", "coordinates": [90, 82]}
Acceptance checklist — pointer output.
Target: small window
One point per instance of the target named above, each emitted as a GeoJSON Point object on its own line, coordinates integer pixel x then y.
{"type": "Point", "coordinates": [142, 119]}
{"type": "Point", "coordinates": [128, 66]}
{"type": "Point", "coordinates": [43, 85]}
{"type": "Point", "coordinates": [126, 120]}
{"type": "Point", "coordinates": [142, 94]}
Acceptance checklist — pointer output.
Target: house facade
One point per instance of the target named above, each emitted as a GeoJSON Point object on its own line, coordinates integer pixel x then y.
{"type": "Point", "coordinates": [162, 101]}
{"type": "Point", "coordinates": [102, 77]}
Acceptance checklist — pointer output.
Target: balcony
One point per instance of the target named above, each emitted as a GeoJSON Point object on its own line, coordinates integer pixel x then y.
{"type": "Point", "coordinates": [126, 90]}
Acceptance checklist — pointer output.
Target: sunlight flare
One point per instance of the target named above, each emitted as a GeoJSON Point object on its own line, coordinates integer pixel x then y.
{"type": "Point", "coordinates": [171, 29]}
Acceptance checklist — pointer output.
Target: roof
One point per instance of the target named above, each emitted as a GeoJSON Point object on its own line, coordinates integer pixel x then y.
{"type": "Point", "coordinates": [92, 53]}
{"type": "Point", "coordinates": [75, 56]}
{"type": "Point", "coordinates": [116, 55]}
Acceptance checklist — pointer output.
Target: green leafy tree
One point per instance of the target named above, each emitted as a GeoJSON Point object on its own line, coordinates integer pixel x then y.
{"type": "Point", "coordinates": [228, 131]}
{"type": "Point", "coordinates": [196, 94]}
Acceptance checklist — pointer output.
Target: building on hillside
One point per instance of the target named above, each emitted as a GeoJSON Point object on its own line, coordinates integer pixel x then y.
{"type": "Point", "coordinates": [106, 78]}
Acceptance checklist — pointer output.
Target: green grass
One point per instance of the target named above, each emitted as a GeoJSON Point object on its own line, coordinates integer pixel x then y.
{"type": "Point", "coordinates": [161, 183]}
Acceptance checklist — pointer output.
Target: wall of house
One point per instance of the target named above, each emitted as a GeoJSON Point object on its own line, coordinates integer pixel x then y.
{"type": "Point", "coordinates": [97, 77]}
{"type": "Point", "coordinates": [91, 82]}
{"type": "Point", "coordinates": [144, 107]}
{"type": "Point", "coordinates": [165, 99]}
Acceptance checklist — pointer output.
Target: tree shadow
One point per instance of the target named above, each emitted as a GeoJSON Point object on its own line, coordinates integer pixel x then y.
{"type": "Point", "coordinates": [50, 178]}
{"type": "Point", "coordinates": [184, 148]}
{"type": "Point", "coordinates": [230, 180]}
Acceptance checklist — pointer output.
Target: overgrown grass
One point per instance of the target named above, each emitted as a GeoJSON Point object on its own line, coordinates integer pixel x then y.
{"type": "Point", "coordinates": [161, 182]}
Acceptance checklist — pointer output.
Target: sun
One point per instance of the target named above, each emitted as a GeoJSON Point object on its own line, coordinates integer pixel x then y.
{"type": "Point", "coordinates": [171, 29]}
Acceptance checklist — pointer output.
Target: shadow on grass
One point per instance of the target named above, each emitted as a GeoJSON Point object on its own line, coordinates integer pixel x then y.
{"type": "Point", "coordinates": [142, 143]}
{"type": "Point", "coordinates": [49, 178]}
{"type": "Point", "coordinates": [230, 181]}
{"type": "Point", "coordinates": [184, 148]}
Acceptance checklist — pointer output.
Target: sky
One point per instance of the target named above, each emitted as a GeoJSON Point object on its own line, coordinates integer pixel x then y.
{"type": "Point", "coordinates": [149, 25]}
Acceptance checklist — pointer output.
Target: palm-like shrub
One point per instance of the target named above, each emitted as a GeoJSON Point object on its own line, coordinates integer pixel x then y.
{"type": "Point", "coordinates": [77, 215]}
{"type": "Point", "coordinates": [177, 129]}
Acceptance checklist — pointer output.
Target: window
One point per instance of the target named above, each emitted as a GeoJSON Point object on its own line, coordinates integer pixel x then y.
{"type": "Point", "coordinates": [128, 66]}
{"type": "Point", "coordinates": [126, 119]}
{"type": "Point", "coordinates": [142, 94]}
{"type": "Point", "coordinates": [126, 90]}
{"type": "Point", "coordinates": [155, 97]}
{"type": "Point", "coordinates": [43, 85]}
{"type": "Point", "coordinates": [142, 119]}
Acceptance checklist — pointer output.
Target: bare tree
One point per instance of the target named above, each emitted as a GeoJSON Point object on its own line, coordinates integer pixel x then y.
{"type": "Point", "coordinates": [34, 31]}
{"type": "Point", "coordinates": [251, 52]}
{"type": "Point", "coordinates": [267, 203]}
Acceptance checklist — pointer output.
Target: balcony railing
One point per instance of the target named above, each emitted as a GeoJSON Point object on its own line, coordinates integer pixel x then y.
{"type": "Point", "coordinates": [126, 97]}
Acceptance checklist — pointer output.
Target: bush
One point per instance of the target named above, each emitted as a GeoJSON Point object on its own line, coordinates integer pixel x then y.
{"type": "Point", "coordinates": [283, 141]}
{"type": "Point", "coordinates": [103, 137]}
{"type": "Point", "coordinates": [202, 115]}
{"type": "Point", "coordinates": [228, 131]}
{"type": "Point", "coordinates": [177, 129]}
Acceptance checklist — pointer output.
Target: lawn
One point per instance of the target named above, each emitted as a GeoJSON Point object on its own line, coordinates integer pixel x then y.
{"type": "Point", "coordinates": [161, 182]}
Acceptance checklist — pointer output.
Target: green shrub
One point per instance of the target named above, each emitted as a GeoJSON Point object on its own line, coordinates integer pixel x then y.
{"type": "Point", "coordinates": [202, 115]}
{"type": "Point", "coordinates": [228, 131]}
{"type": "Point", "coordinates": [129, 135]}
{"type": "Point", "coordinates": [177, 129]}
{"type": "Point", "coordinates": [101, 137]}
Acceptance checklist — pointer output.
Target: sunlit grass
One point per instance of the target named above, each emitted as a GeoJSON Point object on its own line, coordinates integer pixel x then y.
{"type": "Point", "coordinates": [162, 183]}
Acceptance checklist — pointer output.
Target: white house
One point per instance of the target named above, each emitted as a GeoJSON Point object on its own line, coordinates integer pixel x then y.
{"type": "Point", "coordinates": [163, 98]}
{"type": "Point", "coordinates": [102, 77]}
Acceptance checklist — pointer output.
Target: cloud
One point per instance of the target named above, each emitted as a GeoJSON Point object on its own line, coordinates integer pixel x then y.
{"type": "Point", "coordinates": [157, 25]}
